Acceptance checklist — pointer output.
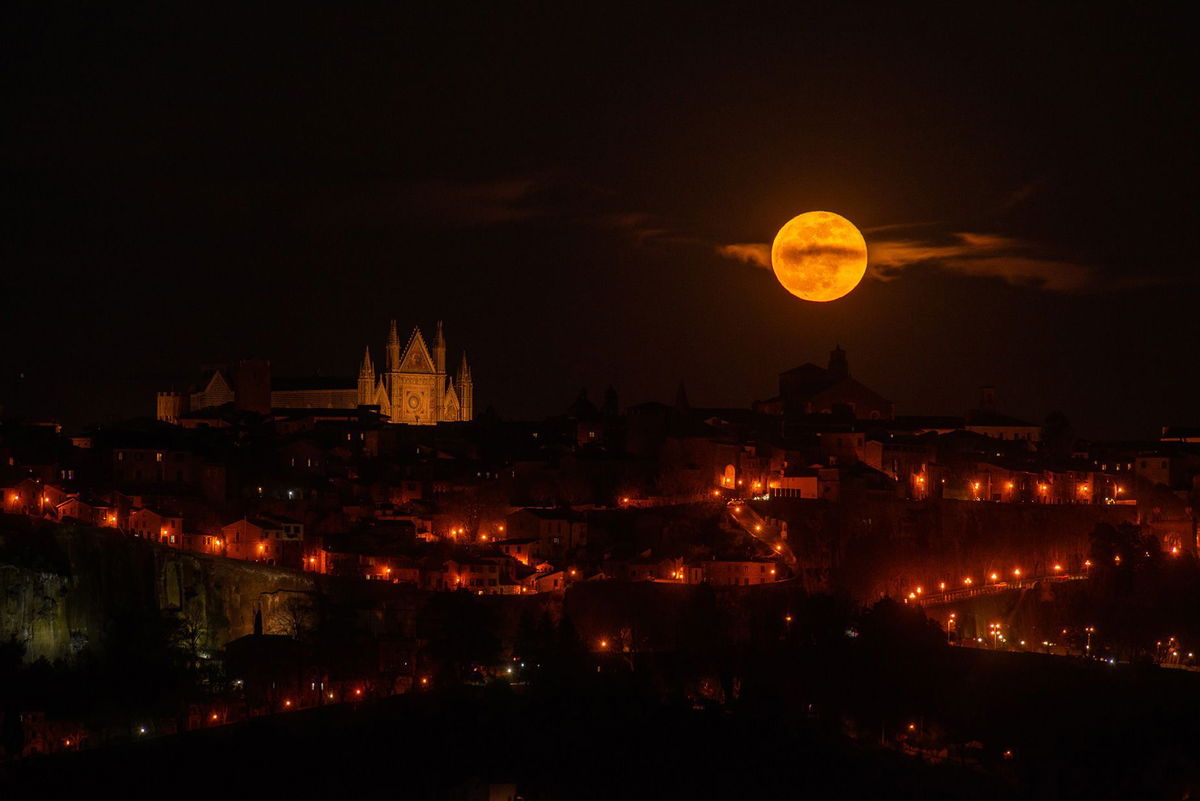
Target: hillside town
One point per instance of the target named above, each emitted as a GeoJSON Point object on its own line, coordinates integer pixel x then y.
{"type": "Point", "coordinates": [504, 507]}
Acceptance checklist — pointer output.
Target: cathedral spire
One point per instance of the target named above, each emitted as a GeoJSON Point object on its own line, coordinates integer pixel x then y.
{"type": "Point", "coordinates": [393, 348]}
{"type": "Point", "coordinates": [466, 390]}
{"type": "Point", "coordinates": [366, 379]}
{"type": "Point", "coordinates": [439, 349]}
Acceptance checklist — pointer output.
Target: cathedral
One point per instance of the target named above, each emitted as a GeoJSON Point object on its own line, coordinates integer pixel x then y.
{"type": "Point", "coordinates": [415, 386]}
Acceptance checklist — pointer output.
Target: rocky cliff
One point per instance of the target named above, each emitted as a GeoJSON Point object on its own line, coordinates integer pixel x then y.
{"type": "Point", "coordinates": [60, 585]}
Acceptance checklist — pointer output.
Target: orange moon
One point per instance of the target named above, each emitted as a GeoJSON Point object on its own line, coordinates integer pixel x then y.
{"type": "Point", "coordinates": [819, 256]}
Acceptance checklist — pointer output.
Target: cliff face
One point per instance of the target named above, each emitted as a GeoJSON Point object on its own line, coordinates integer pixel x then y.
{"type": "Point", "coordinates": [61, 585]}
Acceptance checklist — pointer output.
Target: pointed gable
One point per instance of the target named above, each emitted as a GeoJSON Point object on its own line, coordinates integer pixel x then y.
{"type": "Point", "coordinates": [416, 358]}
{"type": "Point", "coordinates": [381, 399]}
{"type": "Point", "coordinates": [451, 405]}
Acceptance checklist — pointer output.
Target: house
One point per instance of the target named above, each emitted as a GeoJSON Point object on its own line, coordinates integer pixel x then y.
{"type": "Point", "coordinates": [478, 575]}
{"type": "Point", "coordinates": [93, 513]}
{"type": "Point", "coordinates": [551, 581]}
{"type": "Point", "coordinates": [558, 531]}
{"type": "Point", "coordinates": [723, 573]}
{"type": "Point", "coordinates": [526, 551]}
{"type": "Point", "coordinates": [156, 526]}
{"type": "Point", "coordinates": [274, 540]}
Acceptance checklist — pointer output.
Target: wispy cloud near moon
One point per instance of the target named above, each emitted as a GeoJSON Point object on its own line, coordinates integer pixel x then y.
{"type": "Point", "coordinates": [757, 254]}
{"type": "Point", "coordinates": [984, 255]}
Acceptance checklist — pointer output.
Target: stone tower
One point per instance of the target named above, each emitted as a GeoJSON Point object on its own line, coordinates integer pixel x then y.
{"type": "Point", "coordinates": [466, 390]}
{"type": "Point", "coordinates": [439, 366]}
{"type": "Point", "coordinates": [393, 349]}
{"type": "Point", "coordinates": [366, 380]}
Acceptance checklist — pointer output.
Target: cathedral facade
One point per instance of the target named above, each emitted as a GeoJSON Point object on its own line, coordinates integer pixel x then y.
{"type": "Point", "coordinates": [415, 386]}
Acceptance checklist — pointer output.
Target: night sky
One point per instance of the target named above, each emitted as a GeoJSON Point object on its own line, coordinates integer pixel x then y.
{"type": "Point", "coordinates": [561, 186]}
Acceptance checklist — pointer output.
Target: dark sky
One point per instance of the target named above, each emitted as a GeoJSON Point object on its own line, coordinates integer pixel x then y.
{"type": "Point", "coordinates": [184, 187]}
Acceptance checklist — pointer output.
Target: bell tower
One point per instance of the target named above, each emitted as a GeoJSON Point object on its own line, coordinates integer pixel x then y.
{"type": "Point", "coordinates": [466, 390]}
{"type": "Point", "coordinates": [366, 379]}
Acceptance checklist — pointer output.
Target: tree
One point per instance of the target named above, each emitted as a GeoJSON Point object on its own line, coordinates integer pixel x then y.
{"type": "Point", "coordinates": [293, 617]}
{"type": "Point", "coordinates": [460, 632]}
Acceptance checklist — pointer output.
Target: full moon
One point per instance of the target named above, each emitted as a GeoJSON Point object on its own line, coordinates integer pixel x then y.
{"type": "Point", "coordinates": [819, 256]}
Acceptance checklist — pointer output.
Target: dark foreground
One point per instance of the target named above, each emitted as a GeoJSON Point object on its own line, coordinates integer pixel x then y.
{"type": "Point", "coordinates": [444, 745]}
{"type": "Point", "coordinates": [827, 703]}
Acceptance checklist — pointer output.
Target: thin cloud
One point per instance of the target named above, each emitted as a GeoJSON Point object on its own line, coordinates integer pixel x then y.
{"type": "Point", "coordinates": [1021, 194]}
{"type": "Point", "coordinates": [643, 228]}
{"type": "Point", "coordinates": [480, 203]}
{"type": "Point", "coordinates": [981, 255]}
{"type": "Point", "coordinates": [900, 226]}
{"type": "Point", "coordinates": [756, 254]}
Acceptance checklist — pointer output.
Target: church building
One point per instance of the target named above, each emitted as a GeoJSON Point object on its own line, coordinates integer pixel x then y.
{"type": "Point", "coordinates": [414, 386]}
